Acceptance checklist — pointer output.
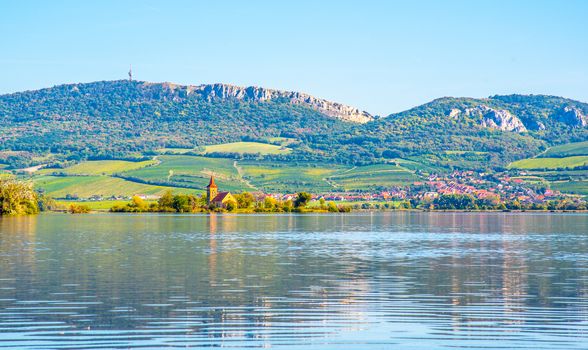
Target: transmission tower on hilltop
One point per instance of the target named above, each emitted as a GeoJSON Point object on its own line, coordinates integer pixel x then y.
{"type": "Point", "coordinates": [130, 72]}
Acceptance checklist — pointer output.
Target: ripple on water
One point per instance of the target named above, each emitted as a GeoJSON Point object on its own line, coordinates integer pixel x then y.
{"type": "Point", "coordinates": [377, 281]}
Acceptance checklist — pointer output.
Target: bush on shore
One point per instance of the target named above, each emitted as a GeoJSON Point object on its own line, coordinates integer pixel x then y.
{"type": "Point", "coordinates": [78, 209]}
{"type": "Point", "coordinates": [17, 198]}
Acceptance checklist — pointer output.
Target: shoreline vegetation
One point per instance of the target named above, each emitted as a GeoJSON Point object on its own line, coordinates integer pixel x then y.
{"type": "Point", "coordinates": [20, 198]}
{"type": "Point", "coordinates": [302, 204]}
{"type": "Point", "coordinates": [244, 203]}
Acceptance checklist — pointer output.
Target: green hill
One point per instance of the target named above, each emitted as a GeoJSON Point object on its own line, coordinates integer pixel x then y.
{"type": "Point", "coordinates": [118, 119]}
{"type": "Point", "coordinates": [133, 121]}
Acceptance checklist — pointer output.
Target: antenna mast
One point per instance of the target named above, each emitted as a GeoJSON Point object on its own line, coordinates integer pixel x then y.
{"type": "Point", "coordinates": [130, 72]}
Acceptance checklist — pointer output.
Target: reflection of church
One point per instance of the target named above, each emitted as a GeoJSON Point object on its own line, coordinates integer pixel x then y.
{"type": "Point", "coordinates": [219, 199]}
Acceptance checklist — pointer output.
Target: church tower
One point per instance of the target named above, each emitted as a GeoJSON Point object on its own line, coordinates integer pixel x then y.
{"type": "Point", "coordinates": [211, 190]}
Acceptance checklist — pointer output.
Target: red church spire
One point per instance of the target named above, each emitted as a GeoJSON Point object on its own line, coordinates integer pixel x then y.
{"type": "Point", "coordinates": [211, 183]}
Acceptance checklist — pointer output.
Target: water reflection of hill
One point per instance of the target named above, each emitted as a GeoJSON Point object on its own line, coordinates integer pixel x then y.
{"type": "Point", "coordinates": [267, 279]}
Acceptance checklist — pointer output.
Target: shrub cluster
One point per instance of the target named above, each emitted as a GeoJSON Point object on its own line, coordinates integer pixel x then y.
{"type": "Point", "coordinates": [17, 198]}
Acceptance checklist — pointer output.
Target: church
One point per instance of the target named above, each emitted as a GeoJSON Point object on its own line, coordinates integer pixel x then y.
{"type": "Point", "coordinates": [219, 199]}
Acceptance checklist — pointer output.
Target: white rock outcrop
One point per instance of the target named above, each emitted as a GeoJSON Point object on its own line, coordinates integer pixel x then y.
{"type": "Point", "coordinates": [253, 93]}
{"type": "Point", "coordinates": [499, 119]}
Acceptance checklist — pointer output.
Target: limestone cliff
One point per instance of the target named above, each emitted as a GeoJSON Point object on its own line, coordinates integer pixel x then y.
{"type": "Point", "coordinates": [253, 93]}
{"type": "Point", "coordinates": [499, 119]}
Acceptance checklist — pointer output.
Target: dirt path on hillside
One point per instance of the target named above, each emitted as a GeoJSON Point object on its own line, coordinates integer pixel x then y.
{"type": "Point", "coordinates": [332, 183]}
{"type": "Point", "coordinates": [240, 172]}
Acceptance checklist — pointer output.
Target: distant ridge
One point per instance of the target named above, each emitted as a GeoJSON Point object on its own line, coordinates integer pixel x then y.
{"type": "Point", "coordinates": [128, 119]}
{"type": "Point", "coordinates": [259, 94]}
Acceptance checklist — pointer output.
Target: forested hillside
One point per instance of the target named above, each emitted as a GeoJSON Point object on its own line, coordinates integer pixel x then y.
{"type": "Point", "coordinates": [118, 119]}
{"type": "Point", "coordinates": [463, 132]}
{"type": "Point", "coordinates": [129, 120]}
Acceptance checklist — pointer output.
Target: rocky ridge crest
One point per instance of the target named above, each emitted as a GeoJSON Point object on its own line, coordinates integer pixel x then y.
{"type": "Point", "coordinates": [258, 94]}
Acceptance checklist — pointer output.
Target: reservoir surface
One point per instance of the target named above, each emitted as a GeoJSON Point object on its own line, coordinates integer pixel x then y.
{"type": "Point", "coordinates": [389, 280]}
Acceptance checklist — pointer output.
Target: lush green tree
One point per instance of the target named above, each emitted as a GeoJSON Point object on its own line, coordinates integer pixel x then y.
{"type": "Point", "coordinates": [344, 208]}
{"type": "Point", "coordinates": [269, 203]}
{"type": "Point", "coordinates": [405, 205]}
{"type": "Point", "coordinates": [203, 200]}
{"type": "Point", "coordinates": [230, 206]}
{"type": "Point", "coordinates": [366, 206]}
{"type": "Point", "coordinates": [17, 198]}
{"type": "Point", "coordinates": [182, 204]}
{"type": "Point", "coordinates": [287, 206]}
{"type": "Point", "coordinates": [139, 204]}
{"type": "Point", "coordinates": [244, 200]}
{"type": "Point", "coordinates": [455, 201]}
{"type": "Point", "coordinates": [302, 199]}
{"type": "Point", "coordinates": [166, 202]}
{"type": "Point", "coordinates": [332, 207]}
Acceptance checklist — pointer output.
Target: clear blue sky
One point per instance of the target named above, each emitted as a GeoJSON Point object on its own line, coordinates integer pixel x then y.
{"type": "Point", "coordinates": [381, 56]}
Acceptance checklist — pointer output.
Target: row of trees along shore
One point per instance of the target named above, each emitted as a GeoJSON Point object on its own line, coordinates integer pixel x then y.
{"type": "Point", "coordinates": [244, 202]}
{"type": "Point", "coordinates": [20, 198]}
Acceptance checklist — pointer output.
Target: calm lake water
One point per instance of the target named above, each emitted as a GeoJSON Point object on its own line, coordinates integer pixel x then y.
{"type": "Point", "coordinates": [358, 281]}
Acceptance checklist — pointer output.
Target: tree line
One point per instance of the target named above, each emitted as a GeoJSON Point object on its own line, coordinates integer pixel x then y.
{"type": "Point", "coordinates": [244, 202]}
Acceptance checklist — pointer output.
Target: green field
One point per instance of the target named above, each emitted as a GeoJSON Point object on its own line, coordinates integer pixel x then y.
{"type": "Point", "coordinates": [190, 171]}
{"type": "Point", "coordinates": [373, 176]}
{"type": "Point", "coordinates": [567, 150]}
{"type": "Point", "coordinates": [104, 205]}
{"type": "Point", "coordinates": [576, 187]}
{"type": "Point", "coordinates": [550, 163]}
{"type": "Point", "coordinates": [182, 172]}
{"type": "Point", "coordinates": [280, 177]}
{"type": "Point", "coordinates": [87, 186]}
{"type": "Point", "coordinates": [288, 177]}
{"type": "Point", "coordinates": [100, 167]}
{"type": "Point", "coordinates": [185, 174]}
{"type": "Point", "coordinates": [246, 147]}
